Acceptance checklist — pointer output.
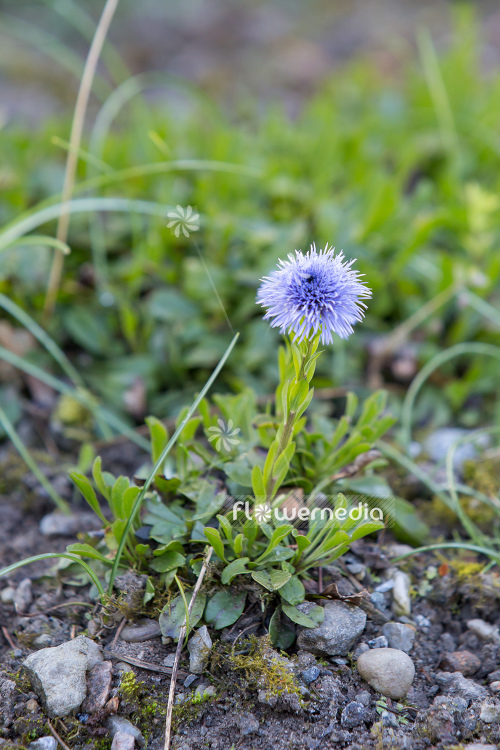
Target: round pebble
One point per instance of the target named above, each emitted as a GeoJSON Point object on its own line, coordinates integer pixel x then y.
{"type": "Point", "coordinates": [387, 670]}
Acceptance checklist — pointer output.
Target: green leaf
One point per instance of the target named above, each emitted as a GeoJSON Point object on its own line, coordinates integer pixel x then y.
{"type": "Point", "coordinates": [158, 435]}
{"type": "Point", "coordinates": [258, 486]}
{"type": "Point", "coordinates": [278, 534]}
{"type": "Point", "coordinates": [293, 591]}
{"type": "Point", "coordinates": [224, 608]}
{"type": "Point", "coordinates": [237, 567]}
{"type": "Point", "coordinates": [102, 486]}
{"type": "Point", "coordinates": [88, 493]}
{"type": "Point", "coordinates": [272, 580]}
{"type": "Point", "coordinates": [167, 561]}
{"type": "Point", "coordinates": [315, 615]}
{"type": "Point", "coordinates": [281, 634]}
{"type": "Point", "coordinates": [86, 550]}
{"type": "Point", "coordinates": [173, 615]}
{"type": "Point", "coordinates": [213, 537]}
{"type": "Point", "coordinates": [150, 591]}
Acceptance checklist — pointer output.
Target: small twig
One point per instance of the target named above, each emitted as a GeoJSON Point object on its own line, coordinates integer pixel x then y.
{"type": "Point", "coordinates": [170, 705]}
{"type": "Point", "coordinates": [8, 638]}
{"type": "Point", "coordinates": [61, 742]}
{"type": "Point", "coordinates": [320, 579]}
{"type": "Point", "coordinates": [118, 631]}
{"type": "Point", "coordinates": [141, 664]}
{"type": "Point", "coordinates": [57, 606]}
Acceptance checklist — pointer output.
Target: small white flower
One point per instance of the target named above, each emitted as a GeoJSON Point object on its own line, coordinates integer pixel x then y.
{"type": "Point", "coordinates": [183, 220]}
{"type": "Point", "coordinates": [263, 513]}
{"type": "Point", "coordinates": [224, 435]}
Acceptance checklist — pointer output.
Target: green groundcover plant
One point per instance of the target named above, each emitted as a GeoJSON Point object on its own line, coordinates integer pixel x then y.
{"type": "Point", "coordinates": [251, 486]}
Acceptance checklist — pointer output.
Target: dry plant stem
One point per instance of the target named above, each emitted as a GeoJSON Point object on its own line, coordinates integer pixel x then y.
{"type": "Point", "coordinates": [8, 638]}
{"type": "Point", "coordinates": [75, 140]}
{"type": "Point", "coordinates": [170, 706]}
{"type": "Point", "coordinates": [118, 631]}
{"type": "Point", "coordinates": [61, 742]}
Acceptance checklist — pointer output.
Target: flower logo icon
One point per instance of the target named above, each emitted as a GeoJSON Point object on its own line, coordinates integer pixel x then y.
{"type": "Point", "coordinates": [263, 513]}
{"type": "Point", "coordinates": [224, 435]}
{"type": "Point", "coordinates": [183, 220]}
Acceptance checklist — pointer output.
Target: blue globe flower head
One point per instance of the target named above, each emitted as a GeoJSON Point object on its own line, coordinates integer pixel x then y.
{"type": "Point", "coordinates": [315, 293]}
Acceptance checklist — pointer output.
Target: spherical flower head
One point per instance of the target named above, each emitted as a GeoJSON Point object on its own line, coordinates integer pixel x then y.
{"type": "Point", "coordinates": [315, 293]}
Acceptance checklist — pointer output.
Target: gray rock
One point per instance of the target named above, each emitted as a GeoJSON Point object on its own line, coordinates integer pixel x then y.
{"type": "Point", "coordinates": [309, 675]}
{"type": "Point", "coordinates": [456, 684]}
{"type": "Point", "coordinates": [98, 687]}
{"type": "Point", "coordinates": [247, 724]}
{"type": "Point", "coordinates": [23, 596]}
{"type": "Point", "coordinates": [7, 691]}
{"type": "Point", "coordinates": [399, 636]}
{"type": "Point", "coordinates": [117, 724]}
{"type": "Point", "coordinates": [481, 746]}
{"type": "Point", "coordinates": [199, 647]}
{"type": "Point", "coordinates": [389, 720]}
{"type": "Point", "coordinates": [379, 642]}
{"type": "Point", "coordinates": [401, 601]}
{"type": "Point", "coordinates": [44, 640]}
{"type": "Point", "coordinates": [61, 524]}
{"type": "Point", "coordinates": [169, 660]}
{"type": "Point", "coordinates": [439, 442]}
{"type": "Point", "coordinates": [353, 715]}
{"type": "Point", "coordinates": [58, 675]}
{"type": "Point", "coordinates": [7, 595]}
{"type": "Point", "coordinates": [337, 634]}
{"type": "Point", "coordinates": [484, 630]}
{"type": "Point", "coordinates": [43, 743]}
{"type": "Point", "coordinates": [143, 631]}
{"type": "Point", "coordinates": [190, 679]}
{"type": "Point", "coordinates": [422, 622]}
{"type": "Point", "coordinates": [495, 687]}
{"type": "Point", "coordinates": [490, 712]}
{"type": "Point", "coordinates": [123, 741]}
{"type": "Point", "coordinates": [387, 670]}
{"type": "Point", "coordinates": [364, 698]}
{"type": "Point", "coordinates": [360, 649]}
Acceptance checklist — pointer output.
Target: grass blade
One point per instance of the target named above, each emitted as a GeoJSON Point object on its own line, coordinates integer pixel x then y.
{"type": "Point", "coordinates": [31, 463]}
{"type": "Point", "coordinates": [161, 460]}
{"type": "Point", "coordinates": [48, 555]}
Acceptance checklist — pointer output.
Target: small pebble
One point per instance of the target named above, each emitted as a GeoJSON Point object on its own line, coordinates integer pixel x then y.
{"type": "Point", "coordinates": [190, 679]}
{"type": "Point", "coordinates": [387, 670]}
{"type": "Point", "coordinates": [31, 705]}
{"type": "Point", "coordinates": [383, 587]}
{"type": "Point", "coordinates": [460, 661]}
{"type": "Point", "coordinates": [360, 649]}
{"type": "Point", "coordinates": [7, 595]}
{"type": "Point", "coordinates": [484, 630]}
{"type": "Point", "coordinates": [145, 630]}
{"type": "Point", "coordinates": [422, 622]}
{"type": "Point", "coordinates": [379, 642]}
{"type": "Point", "coordinates": [44, 640]}
{"type": "Point", "coordinates": [119, 724]}
{"type": "Point", "coordinates": [490, 713]}
{"type": "Point", "coordinates": [401, 593]}
{"type": "Point", "coordinates": [61, 524]}
{"type": "Point", "coordinates": [248, 724]}
{"type": "Point", "coordinates": [364, 698]}
{"type": "Point", "coordinates": [399, 636]}
{"type": "Point", "coordinates": [122, 667]}
{"type": "Point", "coordinates": [169, 660]}
{"type": "Point", "coordinates": [353, 715]}
{"type": "Point", "coordinates": [389, 719]}
{"type": "Point", "coordinates": [43, 743]}
{"type": "Point", "coordinates": [199, 647]}
{"type": "Point", "coordinates": [23, 596]}
{"type": "Point", "coordinates": [309, 675]}
{"type": "Point", "coordinates": [98, 687]}
{"type": "Point", "coordinates": [495, 687]}
{"type": "Point", "coordinates": [123, 741]}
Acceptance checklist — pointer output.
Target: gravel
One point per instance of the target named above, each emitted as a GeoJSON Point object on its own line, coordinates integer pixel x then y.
{"type": "Point", "coordinates": [399, 635]}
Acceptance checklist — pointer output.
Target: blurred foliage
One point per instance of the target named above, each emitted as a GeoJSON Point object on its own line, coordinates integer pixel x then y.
{"type": "Point", "coordinates": [399, 171]}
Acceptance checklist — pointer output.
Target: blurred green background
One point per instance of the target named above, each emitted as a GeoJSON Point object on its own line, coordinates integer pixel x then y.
{"type": "Point", "coordinates": [374, 127]}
